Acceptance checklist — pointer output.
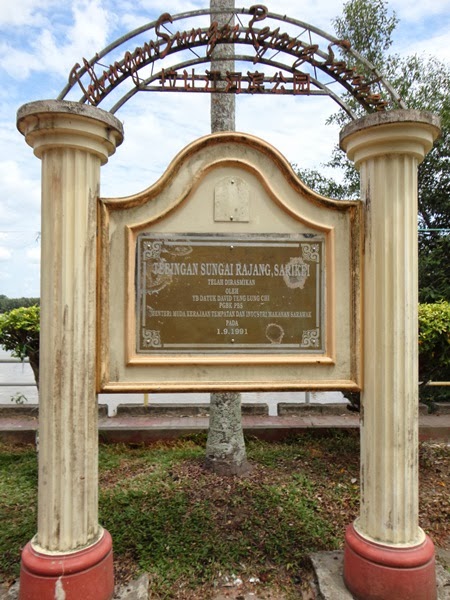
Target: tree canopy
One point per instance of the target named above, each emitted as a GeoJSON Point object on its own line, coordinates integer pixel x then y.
{"type": "Point", "coordinates": [369, 28]}
{"type": "Point", "coordinates": [424, 84]}
{"type": "Point", "coordinates": [7, 304]}
{"type": "Point", "coordinates": [19, 334]}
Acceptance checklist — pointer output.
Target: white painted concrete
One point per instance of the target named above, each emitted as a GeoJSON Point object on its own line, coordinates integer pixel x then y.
{"type": "Point", "coordinates": [387, 150]}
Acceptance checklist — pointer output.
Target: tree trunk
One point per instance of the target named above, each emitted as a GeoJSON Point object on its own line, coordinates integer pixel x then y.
{"type": "Point", "coordinates": [33, 357]}
{"type": "Point", "coordinates": [225, 448]}
{"type": "Point", "coordinates": [222, 59]}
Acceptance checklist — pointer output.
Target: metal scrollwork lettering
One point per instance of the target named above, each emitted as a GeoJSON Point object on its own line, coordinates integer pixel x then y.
{"type": "Point", "coordinates": [310, 252]}
{"type": "Point", "coordinates": [310, 338]}
{"type": "Point", "coordinates": [151, 338]}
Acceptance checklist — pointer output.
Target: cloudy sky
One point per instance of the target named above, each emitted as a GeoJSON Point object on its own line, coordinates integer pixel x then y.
{"type": "Point", "coordinates": [41, 40]}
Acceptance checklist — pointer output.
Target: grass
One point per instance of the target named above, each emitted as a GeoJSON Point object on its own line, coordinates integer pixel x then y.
{"type": "Point", "coordinates": [18, 505]}
{"type": "Point", "coordinates": [187, 527]}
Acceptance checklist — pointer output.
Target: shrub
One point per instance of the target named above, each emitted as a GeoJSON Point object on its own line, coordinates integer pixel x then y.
{"type": "Point", "coordinates": [434, 353]}
{"type": "Point", "coordinates": [19, 334]}
{"type": "Point", "coordinates": [434, 346]}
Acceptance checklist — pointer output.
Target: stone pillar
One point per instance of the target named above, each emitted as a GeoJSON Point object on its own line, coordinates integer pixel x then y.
{"type": "Point", "coordinates": [387, 555]}
{"type": "Point", "coordinates": [71, 555]}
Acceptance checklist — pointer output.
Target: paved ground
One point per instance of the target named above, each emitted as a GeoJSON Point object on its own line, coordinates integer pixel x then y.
{"type": "Point", "coordinates": [145, 429]}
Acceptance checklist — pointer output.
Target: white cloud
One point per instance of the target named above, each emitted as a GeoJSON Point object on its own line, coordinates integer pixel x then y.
{"type": "Point", "coordinates": [20, 197]}
{"type": "Point", "coordinates": [419, 11]}
{"type": "Point", "coordinates": [34, 255]}
{"type": "Point", "coordinates": [42, 39]}
{"type": "Point", "coordinates": [85, 36]}
{"type": "Point", "coordinates": [437, 46]}
{"type": "Point", "coordinates": [20, 63]}
{"type": "Point", "coordinates": [55, 45]}
{"type": "Point", "coordinates": [5, 253]}
{"type": "Point", "coordinates": [177, 6]}
{"type": "Point", "coordinates": [155, 132]}
{"type": "Point", "coordinates": [24, 12]}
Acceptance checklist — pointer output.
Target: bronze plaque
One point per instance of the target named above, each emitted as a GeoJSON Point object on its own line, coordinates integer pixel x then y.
{"type": "Point", "coordinates": [214, 293]}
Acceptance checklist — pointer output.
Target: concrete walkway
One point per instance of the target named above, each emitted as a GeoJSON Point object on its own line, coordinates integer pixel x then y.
{"type": "Point", "coordinates": [145, 428]}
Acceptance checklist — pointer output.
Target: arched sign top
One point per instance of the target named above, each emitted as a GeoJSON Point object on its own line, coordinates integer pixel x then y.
{"type": "Point", "coordinates": [299, 60]}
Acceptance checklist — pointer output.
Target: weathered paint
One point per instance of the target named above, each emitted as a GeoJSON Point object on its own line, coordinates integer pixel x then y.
{"type": "Point", "coordinates": [72, 141]}
{"type": "Point", "coordinates": [183, 200]}
{"type": "Point", "coordinates": [387, 150]}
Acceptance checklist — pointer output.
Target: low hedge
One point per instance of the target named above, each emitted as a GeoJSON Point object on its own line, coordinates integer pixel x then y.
{"type": "Point", "coordinates": [434, 349]}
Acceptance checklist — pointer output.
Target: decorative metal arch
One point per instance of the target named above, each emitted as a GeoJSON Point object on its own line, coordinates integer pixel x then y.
{"type": "Point", "coordinates": [301, 61]}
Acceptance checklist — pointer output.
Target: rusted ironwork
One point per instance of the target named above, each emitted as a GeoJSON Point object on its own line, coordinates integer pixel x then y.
{"type": "Point", "coordinates": [303, 66]}
{"type": "Point", "coordinates": [252, 82]}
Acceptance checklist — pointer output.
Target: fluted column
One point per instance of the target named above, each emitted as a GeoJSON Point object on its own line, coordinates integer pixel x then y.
{"type": "Point", "coordinates": [73, 141]}
{"type": "Point", "coordinates": [389, 502]}
{"type": "Point", "coordinates": [387, 148]}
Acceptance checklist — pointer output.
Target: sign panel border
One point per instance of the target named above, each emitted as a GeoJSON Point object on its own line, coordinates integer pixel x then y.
{"type": "Point", "coordinates": [252, 306]}
{"type": "Point", "coordinates": [171, 205]}
{"type": "Point", "coordinates": [327, 356]}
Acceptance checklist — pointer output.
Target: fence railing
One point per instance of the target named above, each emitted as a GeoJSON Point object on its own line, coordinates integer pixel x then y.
{"type": "Point", "coordinates": [32, 384]}
{"type": "Point", "coordinates": [16, 383]}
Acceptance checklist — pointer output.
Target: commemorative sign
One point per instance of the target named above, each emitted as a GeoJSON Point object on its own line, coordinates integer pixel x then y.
{"type": "Point", "coordinates": [228, 293]}
{"type": "Point", "coordinates": [229, 273]}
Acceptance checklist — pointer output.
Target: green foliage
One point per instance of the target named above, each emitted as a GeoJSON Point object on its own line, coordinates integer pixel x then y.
{"type": "Point", "coordinates": [188, 524]}
{"type": "Point", "coordinates": [18, 483]}
{"type": "Point", "coordinates": [434, 342]}
{"type": "Point", "coordinates": [326, 186]}
{"type": "Point", "coordinates": [7, 304]}
{"type": "Point", "coordinates": [347, 188]}
{"type": "Point", "coordinates": [434, 353]}
{"type": "Point", "coordinates": [428, 88]}
{"type": "Point", "coordinates": [434, 267]}
{"type": "Point", "coordinates": [368, 26]}
{"type": "Point", "coordinates": [423, 84]}
{"type": "Point", "coordinates": [19, 331]}
{"type": "Point", "coordinates": [19, 398]}
{"type": "Point", "coordinates": [19, 334]}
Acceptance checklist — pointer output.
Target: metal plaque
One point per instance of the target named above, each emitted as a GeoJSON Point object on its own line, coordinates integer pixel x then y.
{"type": "Point", "coordinates": [213, 293]}
{"type": "Point", "coordinates": [231, 200]}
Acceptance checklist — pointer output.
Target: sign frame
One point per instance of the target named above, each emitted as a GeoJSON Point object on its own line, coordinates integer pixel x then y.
{"type": "Point", "coordinates": [242, 298]}
{"type": "Point", "coordinates": [172, 205]}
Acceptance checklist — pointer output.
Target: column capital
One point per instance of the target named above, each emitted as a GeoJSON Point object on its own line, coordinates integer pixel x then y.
{"type": "Point", "coordinates": [409, 132]}
{"type": "Point", "coordinates": [48, 124]}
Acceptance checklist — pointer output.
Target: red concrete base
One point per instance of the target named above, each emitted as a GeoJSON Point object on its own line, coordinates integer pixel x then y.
{"type": "Point", "coordinates": [84, 575]}
{"type": "Point", "coordinates": [377, 572]}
